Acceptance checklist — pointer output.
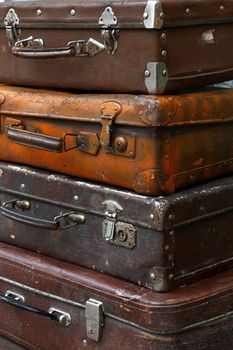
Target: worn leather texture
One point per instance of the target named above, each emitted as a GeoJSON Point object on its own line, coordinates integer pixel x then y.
{"type": "Point", "coordinates": [160, 242]}
{"type": "Point", "coordinates": [152, 145]}
{"type": "Point", "coordinates": [198, 315]}
{"type": "Point", "coordinates": [194, 54]}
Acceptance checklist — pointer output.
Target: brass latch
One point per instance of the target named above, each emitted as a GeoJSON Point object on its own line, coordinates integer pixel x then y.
{"type": "Point", "coordinates": [109, 111]}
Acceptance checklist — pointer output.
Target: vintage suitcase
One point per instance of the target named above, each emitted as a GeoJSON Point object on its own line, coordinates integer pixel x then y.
{"type": "Point", "coordinates": [155, 242]}
{"type": "Point", "coordinates": [46, 304]}
{"type": "Point", "coordinates": [153, 145]}
{"type": "Point", "coordinates": [6, 344]}
{"type": "Point", "coordinates": [118, 46]}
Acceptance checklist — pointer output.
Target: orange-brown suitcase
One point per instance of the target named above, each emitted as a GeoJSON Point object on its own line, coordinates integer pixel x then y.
{"type": "Point", "coordinates": [153, 145]}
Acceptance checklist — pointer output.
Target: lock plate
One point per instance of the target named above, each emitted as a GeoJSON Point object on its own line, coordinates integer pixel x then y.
{"type": "Point", "coordinates": [125, 235]}
{"type": "Point", "coordinates": [94, 315]}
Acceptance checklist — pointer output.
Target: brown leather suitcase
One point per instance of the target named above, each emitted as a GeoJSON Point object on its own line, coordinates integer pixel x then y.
{"type": "Point", "coordinates": [153, 145]}
{"type": "Point", "coordinates": [159, 243]}
{"type": "Point", "coordinates": [46, 304]}
{"type": "Point", "coordinates": [6, 344]}
{"type": "Point", "coordinates": [131, 46]}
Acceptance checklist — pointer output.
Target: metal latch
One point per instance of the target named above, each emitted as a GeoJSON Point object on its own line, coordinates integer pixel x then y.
{"type": "Point", "coordinates": [116, 232]}
{"type": "Point", "coordinates": [11, 22]}
{"type": "Point", "coordinates": [110, 35]}
{"type": "Point", "coordinates": [112, 210]}
{"type": "Point", "coordinates": [94, 314]}
{"type": "Point", "coordinates": [109, 110]}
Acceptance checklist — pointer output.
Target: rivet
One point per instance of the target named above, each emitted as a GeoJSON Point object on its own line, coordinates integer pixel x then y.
{"type": "Point", "coordinates": [171, 276]}
{"type": "Point", "coordinates": [38, 12]}
{"type": "Point", "coordinates": [164, 36]}
{"type": "Point", "coordinates": [104, 106]}
{"type": "Point", "coordinates": [152, 276]}
{"type": "Point", "coordinates": [84, 341]}
{"type": "Point", "coordinates": [187, 11]}
{"type": "Point", "coordinates": [22, 186]}
{"type": "Point", "coordinates": [140, 113]}
{"type": "Point", "coordinates": [145, 15]}
{"type": "Point", "coordinates": [116, 108]}
{"type": "Point", "coordinates": [221, 7]}
{"type": "Point", "coordinates": [164, 53]}
{"type": "Point", "coordinates": [191, 177]}
{"type": "Point", "coordinates": [72, 12]}
{"type": "Point", "coordinates": [170, 258]}
{"type": "Point", "coordinates": [161, 15]}
{"type": "Point", "coordinates": [164, 73]}
{"type": "Point", "coordinates": [152, 216]}
{"type": "Point", "coordinates": [171, 217]}
{"type": "Point", "coordinates": [76, 198]}
{"type": "Point", "coordinates": [147, 73]}
{"type": "Point", "coordinates": [166, 157]}
{"type": "Point", "coordinates": [167, 247]}
{"type": "Point", "coordinates": [171, 233]}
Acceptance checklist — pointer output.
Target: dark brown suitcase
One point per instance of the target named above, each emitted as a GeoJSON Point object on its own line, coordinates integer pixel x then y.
{"type": "Point", "coordinates": [6, 344]}
{"type": "Point", "coordinates": [153, 145]}
{"type": "Point", "coordinates": [119, 46]}
{"type": "Point", "coordinates": [155, 242]}
{"type": "Point", "coordinates": [46, 304]}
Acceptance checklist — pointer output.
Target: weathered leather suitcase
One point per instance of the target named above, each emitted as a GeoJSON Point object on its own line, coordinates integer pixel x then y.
{"type": "Point", "coordinates": [131, 46]}
{"type": "Point", "coordinates": [46, 304]}
{"type": "Point", "coordinates": [153, 145]}
{"type": "Point", "coordinates": [155, 242]}
{"type": "Point", "coordinates": [6, 344]}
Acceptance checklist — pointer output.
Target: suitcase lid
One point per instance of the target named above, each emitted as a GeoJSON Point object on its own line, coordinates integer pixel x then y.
{"type": "Point", "coordinates": [210, 105]}
{"type": "Point", "coordinates": [160, 213]}
{"type": "Point", "coordinates": [194, 306]}
{"type": "Point", "coordinates": [151, 14]}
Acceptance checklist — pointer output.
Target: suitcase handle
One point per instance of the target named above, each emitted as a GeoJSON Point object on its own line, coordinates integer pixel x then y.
{"type": "Point", "coordinates": [18, 301]}
{"type": "Point", "coordinates": [72, 218]}
{"type": "Point", "coordinates": [34, 48]}
{"type": "Point", "coordinates": [35, 140]}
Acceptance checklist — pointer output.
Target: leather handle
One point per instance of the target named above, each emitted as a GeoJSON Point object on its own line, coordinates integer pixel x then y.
{"type": "Point", "coordinates": [42, 52]}
{"type": "Point", "coordinates": [34, 48]}
{"type": "Point", "coordinates": [28, 220]}
{"type": "Point", "coordinates": [53, 314]}
{"type": "Point", "coordinates": [35, 140]}
{"type": "Point", "coordinates": [69, 219]}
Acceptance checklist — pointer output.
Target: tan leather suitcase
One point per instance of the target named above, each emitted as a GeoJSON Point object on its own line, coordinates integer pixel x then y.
{"type": "Point", "coordinates": [135, 46]}
{"type": "Point", "coordinates": [45, 304]}
{"type": "Point", "coordinates": [152, 145]}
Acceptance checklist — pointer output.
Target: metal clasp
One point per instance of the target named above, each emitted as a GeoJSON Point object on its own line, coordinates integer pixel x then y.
{"type": "Point", "coordinates": [94, 314]}
{"type": "Point", "coordinates": [109, 35]}
{"type": "Point", "coordinates": [90, 47]}
{"type": "Point", "coordinates": [109, 110]}
{"type": "Point", "coordinates": [111, 213]}
{"type": "Point", "coordinates": [11, 22]}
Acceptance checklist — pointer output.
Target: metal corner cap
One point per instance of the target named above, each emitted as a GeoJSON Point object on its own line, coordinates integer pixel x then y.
{"type": "Point", "coordinates": [153, 15]}
{"type": "Point", "coordinates": [156, 77]}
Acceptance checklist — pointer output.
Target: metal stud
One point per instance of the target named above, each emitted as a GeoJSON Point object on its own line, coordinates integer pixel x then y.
{"type": "Point", "coordinates": [187, 11]}
{"type": "Point", "coordinates": [145, 15]}
{"type": "Point", "coordinates": [163, 36]}
{"type": "Point", "coordinates": [152, 276]}
{"type": "Point", "coordinates": [76, 198]}
{"type": "Point", "coordinates": [22, 186]}
{"type": "Point", "coordinates": [152, 216]}
{"type": "Point", "coordinates": [165, 73]}
{"type": "Point", "coordinates": [72, 12]}
{"type": "Point", "coordinates": [38, 12]}
{"type": "Point", "coordinates": [164, 53]}
{"type": "Point", "coordinates": [147, 73]}
{"type": "Point", "coordinates": [221, 7]}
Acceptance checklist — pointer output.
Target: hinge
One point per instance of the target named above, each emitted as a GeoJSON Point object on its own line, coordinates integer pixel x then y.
{"type": "Point", "coordinates": [110, 35]}
{"type": "Point", "coordinates": [116, 232]}
{"type": "Point", "coordinates": [156, 77]}
{"type": "Point", "coordinates": [11, 22]}
{"type": "Point", "coordinates": [94, 315]}
{"type": "Point", "coordinates": [109, 110]}
{"type": "Point", "coordinates": [153, 15]}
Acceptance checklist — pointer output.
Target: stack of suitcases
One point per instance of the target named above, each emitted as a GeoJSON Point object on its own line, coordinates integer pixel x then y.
{"type": "Point", "coordinates": [116, 184]}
